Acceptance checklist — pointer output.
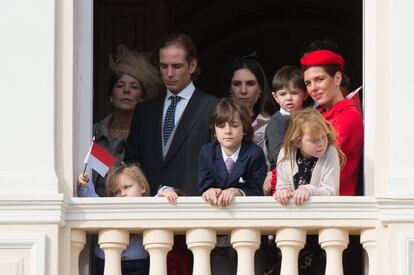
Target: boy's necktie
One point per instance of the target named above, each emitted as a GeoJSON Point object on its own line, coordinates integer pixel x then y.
{"type": "Point", "coordinates": [169, 120]}
{"type": "Point", "coordinates": [229, 165]}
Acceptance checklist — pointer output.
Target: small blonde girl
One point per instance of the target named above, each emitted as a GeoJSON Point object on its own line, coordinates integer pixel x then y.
{"type": "Point", "coordinates": [309, 162]}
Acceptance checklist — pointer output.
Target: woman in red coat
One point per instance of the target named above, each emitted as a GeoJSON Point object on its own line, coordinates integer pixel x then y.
{"type": "Point", "coordinates": [325, 80]}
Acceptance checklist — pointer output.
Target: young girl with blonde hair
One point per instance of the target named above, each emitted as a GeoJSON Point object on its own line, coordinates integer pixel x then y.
{"type": "Point", "coordinates": [309, 162]}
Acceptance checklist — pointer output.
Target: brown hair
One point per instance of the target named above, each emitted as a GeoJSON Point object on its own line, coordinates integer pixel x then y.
{"type": "Point", "coordinates": [264, 103]}
{"type": "Point", "coordinates": [225, 112]}
{"type": "Point", "coordinates": [184, 42]}
{"type": "Point", "coordinates": [131, 170]}
{"type": "Point", "coordinates": [312, 120]}
{"type": "Point", "coordinates": [286, 76]}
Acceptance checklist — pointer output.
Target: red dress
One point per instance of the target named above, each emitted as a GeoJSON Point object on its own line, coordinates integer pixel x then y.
{"type": "Point", "coordinates": [347, 122]}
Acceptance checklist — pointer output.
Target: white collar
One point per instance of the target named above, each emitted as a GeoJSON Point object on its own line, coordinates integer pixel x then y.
{"type": "Point", "coordinates": [284, 112]}
{"type": "Point", "coordinates": [234, 157]}
{"type": "Point", "coordinates": [185, 93]}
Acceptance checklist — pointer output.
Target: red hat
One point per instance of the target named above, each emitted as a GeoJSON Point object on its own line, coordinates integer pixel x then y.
{"type": "Point", "coordinates": [322, 57]}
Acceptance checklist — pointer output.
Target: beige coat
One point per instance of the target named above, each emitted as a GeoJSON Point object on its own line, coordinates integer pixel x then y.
{"type": "Point", "coordinates": [325, 175]}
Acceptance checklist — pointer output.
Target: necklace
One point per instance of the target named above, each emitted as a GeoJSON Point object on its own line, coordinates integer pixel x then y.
{"type": "Point", "coordinates": [120, 131]}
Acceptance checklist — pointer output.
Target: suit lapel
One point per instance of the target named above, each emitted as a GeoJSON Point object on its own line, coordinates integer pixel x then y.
{"type": "Point", "coordinates": [218, 164]}
{"type": "Point", "coordinates": [194, 109]}
{"type": "Point", "coordinates": [156, 123]}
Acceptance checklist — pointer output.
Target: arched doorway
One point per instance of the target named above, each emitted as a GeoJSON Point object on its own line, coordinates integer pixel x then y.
{"type": "Point", "coordinates": [278, 31]}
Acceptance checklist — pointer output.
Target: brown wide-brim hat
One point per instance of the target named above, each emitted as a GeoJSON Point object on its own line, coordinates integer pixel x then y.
{"type": "Point", "coordinates": [137, 65]}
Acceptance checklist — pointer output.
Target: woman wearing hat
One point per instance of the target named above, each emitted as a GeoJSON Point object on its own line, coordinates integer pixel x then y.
{"type": "Point", "coordinates": [133, 80]}
{"type": "Point", "coordinates": [325, 79]}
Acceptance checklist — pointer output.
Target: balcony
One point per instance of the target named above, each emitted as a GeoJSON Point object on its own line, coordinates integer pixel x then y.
{"type": "Point", "coordinates": [113, 219]}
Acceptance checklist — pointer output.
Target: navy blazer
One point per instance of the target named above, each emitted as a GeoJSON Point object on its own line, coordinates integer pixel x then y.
{"type": "Point", "coordinates": [248, 172]}
{"type": "Point", "coordinates": [179, 169]}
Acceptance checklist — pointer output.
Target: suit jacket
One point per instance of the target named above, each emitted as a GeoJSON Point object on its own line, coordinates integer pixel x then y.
{"type": "Point", "coordinates": [275, 135]}
{"type": "Point", "coordinates": [179, 168]}
{"type": "Point", "coordinates": [248, 172]}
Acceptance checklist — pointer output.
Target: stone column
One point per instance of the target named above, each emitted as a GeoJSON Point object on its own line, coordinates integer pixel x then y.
{"type": "Point", "coordinates": [201, 242]}
{"type": "Point", "coordinates": [333, 241]}
{"type": "Point", "coordinates": [369, 243]}
{"type": "Point", "coordinates": [77, 243]}
{"type": "Point", "coordinates": [158, 242]}
{"type": "Point", "coordinates": [245, 242]}
{"type": "Point", "coordinates": [290, 241]}
{"type": "Point", "coordinates": [113, 242]}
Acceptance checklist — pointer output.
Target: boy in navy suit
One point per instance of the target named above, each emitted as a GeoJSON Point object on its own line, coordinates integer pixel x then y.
{"type": "Point", "coordinates": [228, 167]}
{"type": "Point", "coordinates": [232, 165]}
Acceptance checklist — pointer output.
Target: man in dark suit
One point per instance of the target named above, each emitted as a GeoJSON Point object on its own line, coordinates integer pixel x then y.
{"type": "Point", "coordinates": [168, 132]}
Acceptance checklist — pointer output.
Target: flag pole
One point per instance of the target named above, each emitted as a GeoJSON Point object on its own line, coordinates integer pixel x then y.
{"type": "Point", "coordinates": [86, 164]}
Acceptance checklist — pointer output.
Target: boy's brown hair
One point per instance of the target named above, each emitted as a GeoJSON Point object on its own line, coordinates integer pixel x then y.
{"type": "Point", "coordinates": [225, 111]}
{"type": "Point", "coordinates": [288, 76]}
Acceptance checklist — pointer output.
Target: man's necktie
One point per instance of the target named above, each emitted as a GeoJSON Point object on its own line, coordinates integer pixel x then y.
{"type": "Point", "coordinates": [229, 165]}
{"type": "Point", "coordinates": [169, 120]}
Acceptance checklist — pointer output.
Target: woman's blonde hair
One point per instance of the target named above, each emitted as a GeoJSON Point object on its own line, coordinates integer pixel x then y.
{"type": "Point", "coordinates": [131, 170]}
{"type": "Point", "coordinates": [312, 121]}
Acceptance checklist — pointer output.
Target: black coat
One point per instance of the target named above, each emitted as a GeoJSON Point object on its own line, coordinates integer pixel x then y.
{"type": "Point", "coordinates": [180, 167]}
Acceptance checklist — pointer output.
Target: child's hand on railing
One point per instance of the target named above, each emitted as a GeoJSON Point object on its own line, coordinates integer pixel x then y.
{"type": "Point", "coordinates": [301, 195]}
{"type": "Point", "coordinates": [282, 196]}
{"type": "Point", "coordinates": [211, 196]}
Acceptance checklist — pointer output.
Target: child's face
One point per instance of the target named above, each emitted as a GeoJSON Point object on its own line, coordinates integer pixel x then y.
{"type": "Point", "coordinates": [125, 186]}
{"type": "Point", "coordinates": [230, 135]}
{"type": "Point", "coordinates": [313, 146]}
{"type": "Point", "coordinates": [290, 98]}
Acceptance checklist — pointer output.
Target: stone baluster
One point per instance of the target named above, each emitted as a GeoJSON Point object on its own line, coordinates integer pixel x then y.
{"type": "Point", "coordinates": [158, 242]}
{"type": "Point", "coordinates": [369, 243]}
{"type": "Point", "coordinates": [290, 241]}
{"type": "Point", "coordinates": [113, 242]}
{"type": "Point", "coordinates": [77, 243]}
{"type": "Point", "coordinates": [245, 242]}
{"type": "Point", "coordinates": [201, 242]}
{"type": "Point", "coordinates": [333, 241]}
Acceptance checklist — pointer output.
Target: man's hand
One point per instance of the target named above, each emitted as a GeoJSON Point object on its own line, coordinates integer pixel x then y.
{"type": "Point", "coordinates": [170, 194]}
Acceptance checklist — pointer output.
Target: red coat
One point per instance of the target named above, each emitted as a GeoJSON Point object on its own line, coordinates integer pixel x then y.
{"type": "Point", "coordinates": [347, 122]}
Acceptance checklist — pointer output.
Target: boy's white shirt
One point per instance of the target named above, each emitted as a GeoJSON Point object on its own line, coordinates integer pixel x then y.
{"type": "Point", "coordinates": [284, 112]}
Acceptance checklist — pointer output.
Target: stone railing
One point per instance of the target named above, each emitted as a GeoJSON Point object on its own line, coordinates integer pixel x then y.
{"type": "Point", "coordinates": [113, 219]}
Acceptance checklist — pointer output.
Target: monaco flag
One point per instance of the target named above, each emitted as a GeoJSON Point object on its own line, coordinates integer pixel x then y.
{"type": "Point", "coordinates": [99, 159]}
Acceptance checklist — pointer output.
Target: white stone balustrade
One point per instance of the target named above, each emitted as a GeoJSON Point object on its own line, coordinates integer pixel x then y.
{"type": "Point", "coordinates": [245, 242]}
{"type": "Point", "coordinates": [369, 243]}
{"type": "Point", "coordinates": [246, 220]}
{"type": "Point", "coordinates": [201, 242]}
{"type": "Point", "coordinates": [290, 241]}
{"type": "Point", "coordinates": [77, 243]}
{"type": "Point", "coordinates": [333, 241]}
{"type": "Point", "coordinates": [158, 242]}
{"type": "Point", "coordinates": [113, 242]}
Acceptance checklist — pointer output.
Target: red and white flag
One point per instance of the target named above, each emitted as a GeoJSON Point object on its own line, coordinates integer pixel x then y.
{"type": "Point", "coordinates": [99, 159]}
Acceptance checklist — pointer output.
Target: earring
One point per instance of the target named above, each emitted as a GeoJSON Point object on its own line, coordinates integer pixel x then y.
{"type": "Point", "coordinates": [110, 99]}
